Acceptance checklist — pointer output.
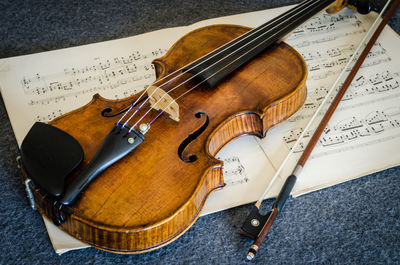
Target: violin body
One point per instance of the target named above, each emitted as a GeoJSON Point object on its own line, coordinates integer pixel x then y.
{"type": "Point", "coordinates": [155, 193]}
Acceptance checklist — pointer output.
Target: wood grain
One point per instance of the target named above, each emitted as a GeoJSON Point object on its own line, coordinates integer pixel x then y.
{"type": "Point", "coordinates": [151, 197]}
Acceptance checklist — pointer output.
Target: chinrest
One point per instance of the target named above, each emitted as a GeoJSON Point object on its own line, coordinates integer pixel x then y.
{"type": "Point", "coordinates": [48, 156]}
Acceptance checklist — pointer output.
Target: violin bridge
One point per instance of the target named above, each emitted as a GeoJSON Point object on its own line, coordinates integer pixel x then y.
{"type": "Point", "coordinates": [160, 100]}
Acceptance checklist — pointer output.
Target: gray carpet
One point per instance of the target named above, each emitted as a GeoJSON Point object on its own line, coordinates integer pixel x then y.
{"type": "Point", "coordinates": [353, 223]}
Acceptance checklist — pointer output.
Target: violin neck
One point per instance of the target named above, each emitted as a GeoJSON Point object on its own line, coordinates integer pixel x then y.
{"type": "Point", "coordinates": [215, 66]}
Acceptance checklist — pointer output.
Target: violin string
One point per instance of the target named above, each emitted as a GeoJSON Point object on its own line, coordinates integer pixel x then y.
{"type": "Point", "coordinates": [233, 42]}
{"type": "Point", "coordinates": [172, 89]}
{"type": "Point", "coordinates": [320, 110]}
{"type": "Point", "coordinates": [163, 110]}
{"type": "Point", "coordinates": [229, 45]}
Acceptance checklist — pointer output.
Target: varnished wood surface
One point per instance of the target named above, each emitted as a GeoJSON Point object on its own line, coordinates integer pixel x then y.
{"type": "Point", "coordinates": [151, 196]}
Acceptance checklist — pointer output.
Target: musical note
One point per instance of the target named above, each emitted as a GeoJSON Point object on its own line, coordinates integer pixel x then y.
{"type": "Point", "coordinates": [325, 24]}
{"type": "Point", "coordinates": [234, 171]}
{"type": "Point", "coordinates": [127, 75]}
{"type": "Point", "coordinates": [49, 116]}
{"type": "Point", "coordinates": [350, 129]}
{"type": "Point", "coordinates": [328, 62]}
{"type": "Point", "coordinates": [52, 94]}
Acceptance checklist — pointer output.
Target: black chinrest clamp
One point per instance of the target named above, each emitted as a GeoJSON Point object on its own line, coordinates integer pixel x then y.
{"type": "Point", "coordinates": [49, 155]}
{"type": "Point", "coordinates": [58, 217]}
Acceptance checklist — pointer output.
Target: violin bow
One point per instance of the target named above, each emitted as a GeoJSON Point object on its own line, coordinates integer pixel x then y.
{"type": "Point", "coordinates": [256, 225]}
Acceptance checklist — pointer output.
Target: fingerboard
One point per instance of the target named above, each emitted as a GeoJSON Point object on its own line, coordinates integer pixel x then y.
{"type": "Point", "coordinates": [218, 64]}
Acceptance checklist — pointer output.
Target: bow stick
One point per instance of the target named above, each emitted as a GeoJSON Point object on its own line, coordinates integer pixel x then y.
{"type": "Point", "coordinates": [257, 225]}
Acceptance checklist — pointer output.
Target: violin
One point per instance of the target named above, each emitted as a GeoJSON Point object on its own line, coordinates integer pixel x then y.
{"type": "Point", "coordinates": [132, 175]}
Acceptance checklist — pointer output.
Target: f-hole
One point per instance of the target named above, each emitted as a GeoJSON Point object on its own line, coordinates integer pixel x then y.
{"type": "Point", "coordinates": [191, 137]}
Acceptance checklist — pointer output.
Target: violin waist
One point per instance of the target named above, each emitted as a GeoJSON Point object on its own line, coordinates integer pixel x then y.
{"type": "Point", "coordinates": [155, 193]}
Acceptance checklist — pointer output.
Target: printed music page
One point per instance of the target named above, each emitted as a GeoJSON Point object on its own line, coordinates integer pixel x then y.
{"type": "Point", "coordinates": [42, 86]}
{"type": "Point", "coordinates": [363, 135]}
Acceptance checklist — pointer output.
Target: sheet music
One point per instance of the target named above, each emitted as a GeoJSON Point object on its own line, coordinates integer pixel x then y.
{"type": "Point", "coordinates": [364, 133]}
{"type": "Point", "coordinates": [365, 130]}
{"type": "Point", "coordinates": [326, 43]}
